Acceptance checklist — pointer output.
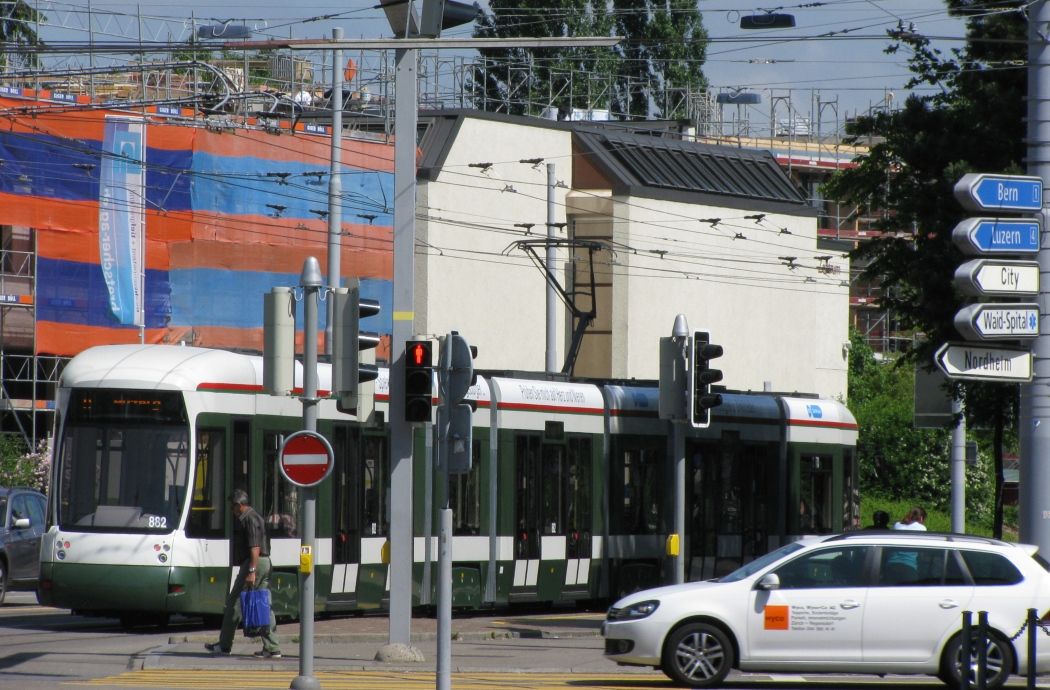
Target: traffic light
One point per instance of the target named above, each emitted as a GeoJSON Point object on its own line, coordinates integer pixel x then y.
{"type": "Point", "coordinates": [701, 377]}
{"type": "Point", "coordinates": [419, 380]}
{"type": "Point", "coordinates": [353, 361]}
{"type": "Point", "coordinates": [455, 417]}
{"type": "Point", "coordinates": [407, 22]}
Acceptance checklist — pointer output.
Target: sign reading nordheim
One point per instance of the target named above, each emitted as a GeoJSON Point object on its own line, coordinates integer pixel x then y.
{"type": "Point", "coordinates": [983, 363]}
{"type": "Point", "coordinates": [121, 217]}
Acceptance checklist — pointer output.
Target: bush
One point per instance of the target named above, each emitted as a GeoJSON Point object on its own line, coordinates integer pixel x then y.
{"type": "Point", "coordinates": [18, 467]}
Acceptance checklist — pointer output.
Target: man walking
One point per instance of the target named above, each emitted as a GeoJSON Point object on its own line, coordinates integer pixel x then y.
{"type": "Point", "coordinates": [251, 549]}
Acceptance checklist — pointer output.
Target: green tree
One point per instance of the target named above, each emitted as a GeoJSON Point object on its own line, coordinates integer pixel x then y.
{"type": "Point", "coordinates": [969, 125]}
{"type": "Point", "coordinates": [662, 54]}
{"type": "Point", "coordinates": [21, 468]}
{"type": "Point", "coordinates": [897, 461]}
{"type": "Point", "coordinates": [18, 22]}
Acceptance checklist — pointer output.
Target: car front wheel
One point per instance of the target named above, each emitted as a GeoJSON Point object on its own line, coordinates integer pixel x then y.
{"type": "Point", "coordinates": [3, 580]}
{"type": "Point", "coordinates": [1000, 662]}
{"type": "Point", "coordinates": [697, 655]}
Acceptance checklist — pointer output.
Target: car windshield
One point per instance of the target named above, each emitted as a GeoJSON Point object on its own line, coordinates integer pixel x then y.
{"type": "Point", "coordinates": [761, 562]}
{"type": "Point", "coordinates": [123, 462]}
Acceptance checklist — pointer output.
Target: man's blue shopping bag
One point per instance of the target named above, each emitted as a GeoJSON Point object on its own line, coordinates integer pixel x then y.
{"type": "Point", "coordinates": [255, 612]}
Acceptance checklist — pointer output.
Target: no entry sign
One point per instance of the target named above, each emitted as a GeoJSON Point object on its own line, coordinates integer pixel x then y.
{"type": "Point", "coordinates": [306, 458]}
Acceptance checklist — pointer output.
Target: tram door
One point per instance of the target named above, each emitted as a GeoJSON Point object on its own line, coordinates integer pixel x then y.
{"type": "Point", "coordinates": [360, 516]}
{"type": "Point", "coordinates": [731, 499]}
{"type": "Point", "coordinates": [552, 514]}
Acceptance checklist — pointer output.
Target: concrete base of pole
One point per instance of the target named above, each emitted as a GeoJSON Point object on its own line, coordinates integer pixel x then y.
{"type": "Point", "coordinates": [305, 683]}
{"type": "Point", "coordinates": [397, 652]}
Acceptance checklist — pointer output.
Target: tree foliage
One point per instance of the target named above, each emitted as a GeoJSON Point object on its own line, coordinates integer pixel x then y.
{"type": "Point", "coordinates": [18, 467]}
{"type": "Point", "coordinates": [662, 55]}
{"type": "Point", "coordinates": [18, 21]}
{"type": "Point", "coordinates": [897, 461]}
{"type": "Point", "coordinates": [971, 124]}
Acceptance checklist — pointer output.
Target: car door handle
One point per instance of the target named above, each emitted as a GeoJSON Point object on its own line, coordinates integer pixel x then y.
{"type": "Point", "coordinates": [849, 604]}
{"type": "Point", "coordinates": [949, 604]}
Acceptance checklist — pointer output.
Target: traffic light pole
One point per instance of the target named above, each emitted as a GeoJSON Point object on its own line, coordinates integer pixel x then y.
{"type": "Point", "coordinates": [405, 117]}
{"type": "Point", "coordinates": [335, 187]}
{"type": "Point", "coordinates": [311, 284]}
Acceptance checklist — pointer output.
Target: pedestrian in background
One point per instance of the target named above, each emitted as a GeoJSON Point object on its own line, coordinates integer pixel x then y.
{"type": "Point", "coordinates": [251, 549]}
{"type": "Point", "coordinates": [914, 520]}
{"type": "Point", "coordinates": [880, 519]}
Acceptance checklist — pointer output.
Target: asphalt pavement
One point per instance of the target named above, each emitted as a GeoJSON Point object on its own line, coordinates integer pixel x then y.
{"type": "Point", "coordinates": [554, 642]}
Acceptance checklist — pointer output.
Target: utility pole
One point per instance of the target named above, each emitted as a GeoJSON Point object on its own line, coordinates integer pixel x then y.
{"type": "Point", "coordinates": [552, 296]}
{"type": "Point", "coordinates": [335, 186]}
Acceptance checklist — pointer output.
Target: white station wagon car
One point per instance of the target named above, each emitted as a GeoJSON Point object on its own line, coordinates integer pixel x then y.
{"type": "Point", "coordinates": [861, 602]}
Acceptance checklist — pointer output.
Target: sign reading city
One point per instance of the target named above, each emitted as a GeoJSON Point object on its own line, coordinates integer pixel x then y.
{"type": "Point", "coordinates": [983, 363]}
{"type": "Point", "coordinates": [975, 236]}
{"type": "Point", "coordinates": [306, 458]}
{"type": "Point", "coordinates": [998, 277]}
{"type": "Point", "coordinates": [990, 192]}
{"type": "Point", "coordinates": [998, 321]}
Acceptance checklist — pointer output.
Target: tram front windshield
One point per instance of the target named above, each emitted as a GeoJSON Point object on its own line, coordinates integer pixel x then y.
{"type": "Point", "coordinates": [123, 461]}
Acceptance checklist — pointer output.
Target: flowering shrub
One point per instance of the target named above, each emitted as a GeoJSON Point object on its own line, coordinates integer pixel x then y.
{"type": "Point", "coordinates": [21, 468]}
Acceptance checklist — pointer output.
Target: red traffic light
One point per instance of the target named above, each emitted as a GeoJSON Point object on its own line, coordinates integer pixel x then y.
{"type": "Point", "coordinates": [419, 353]}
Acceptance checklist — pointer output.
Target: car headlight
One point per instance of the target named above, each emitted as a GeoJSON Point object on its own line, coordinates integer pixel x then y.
{"type": "Point", "coordinates": [642, 609]}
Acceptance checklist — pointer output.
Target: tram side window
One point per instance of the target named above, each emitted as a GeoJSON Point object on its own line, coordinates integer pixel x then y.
{"type": "Point", "coordinates": [280, 504]}
{"type": "Point", "coordinates": [553, 489]}
{"type": "Point", "coordinates": [578, 489]}
{"type": "Point", "coordinates": [465, 496]}
{"type": "Point", "coordinates": [527, 496]}
{"type": "Point", "coordinates": [207, 509]}
{"type": "Point", "coordinates": [637, 477]}
{"type": "Point", "coordinates": [376, 486]}
{"type": "Point", "coordinates": [815, 494]}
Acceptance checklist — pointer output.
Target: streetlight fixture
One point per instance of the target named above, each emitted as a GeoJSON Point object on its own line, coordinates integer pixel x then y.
{"type": "Point", "coordinates": [768, 20]}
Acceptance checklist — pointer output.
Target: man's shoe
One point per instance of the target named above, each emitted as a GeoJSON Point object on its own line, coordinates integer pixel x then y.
{"type": "Point", "coordinates": [216, 648]}
{"type": "Point", "coordinates": [263, 654]}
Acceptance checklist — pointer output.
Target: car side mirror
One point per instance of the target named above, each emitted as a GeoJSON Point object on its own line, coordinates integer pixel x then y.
{"type": "Point", "coordinates": [767, 582]}
{"type": "Point", "coordinates": [22, 523]}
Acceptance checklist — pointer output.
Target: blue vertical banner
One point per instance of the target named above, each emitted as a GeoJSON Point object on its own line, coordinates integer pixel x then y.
{"type": "Point", "coordinates": [121, 217]}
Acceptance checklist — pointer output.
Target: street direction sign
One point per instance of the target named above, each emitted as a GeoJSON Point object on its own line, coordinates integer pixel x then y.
{"type": "Point", "coordinates": [306, 458]}
{"type": "Point", "coordinates": [983, 363]}
{"type": "Point", "coordinates": [975, 236]}
{"type": "Point", "coordinates": [988, 192]}
{"type": "Point", "coordinates": [998, 321]}
{"type": "Point", "coordinates": [998, 277]}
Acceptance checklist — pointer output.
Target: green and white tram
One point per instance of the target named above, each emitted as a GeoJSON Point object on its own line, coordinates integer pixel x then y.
{"type": "Point", "coordinates": [569, 497]}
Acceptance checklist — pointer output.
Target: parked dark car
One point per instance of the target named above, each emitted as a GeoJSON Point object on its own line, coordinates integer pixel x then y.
{"type": "Point", "coordinates": [21, 527]}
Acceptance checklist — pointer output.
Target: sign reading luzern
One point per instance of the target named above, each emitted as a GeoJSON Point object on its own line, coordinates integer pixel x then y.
{"type": "Point", "coordinates": [976, 236]}
{"type": "Point", "coordinates": [983, 363]}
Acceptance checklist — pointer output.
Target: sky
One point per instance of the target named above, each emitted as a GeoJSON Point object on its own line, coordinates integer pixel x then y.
{"type": "Point", "coordinates": [831, 63]}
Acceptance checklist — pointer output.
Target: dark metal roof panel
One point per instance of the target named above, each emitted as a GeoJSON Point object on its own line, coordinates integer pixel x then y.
{"type": "Point", "coordinates": [645, 161]}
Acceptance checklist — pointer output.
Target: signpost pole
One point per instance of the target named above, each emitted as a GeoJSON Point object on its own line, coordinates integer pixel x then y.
{"type": "Point", "coordinates": [1034, 423]}
{"type": "Point", "coordinates": [310, 282]}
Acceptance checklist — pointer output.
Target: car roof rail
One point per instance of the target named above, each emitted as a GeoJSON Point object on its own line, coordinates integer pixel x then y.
{"type": "Point", "coordinates": [917, 535]}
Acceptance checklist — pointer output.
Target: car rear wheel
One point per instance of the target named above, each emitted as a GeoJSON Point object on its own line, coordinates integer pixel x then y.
{"type": "Point", "coordinates": [1000, 662]}
{"type": "Point", "coordinates": [3, 580]}
{"type": "Point", "coordinates": [697, 655]}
